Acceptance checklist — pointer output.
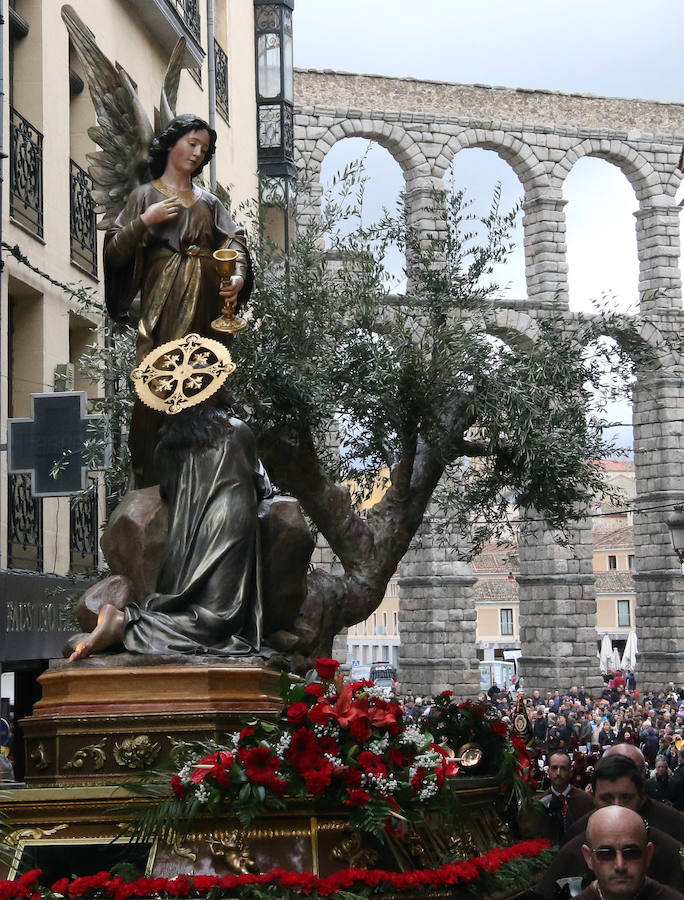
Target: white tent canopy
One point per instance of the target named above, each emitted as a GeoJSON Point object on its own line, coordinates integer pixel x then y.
{"type": "Point", "coordinates": [629, 657]}
{"type": "Point", "coordinates": [606, 655]}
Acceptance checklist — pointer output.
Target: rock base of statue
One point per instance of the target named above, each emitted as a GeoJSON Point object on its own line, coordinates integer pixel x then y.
{"type": "Point", "coordinates": [111, 717]}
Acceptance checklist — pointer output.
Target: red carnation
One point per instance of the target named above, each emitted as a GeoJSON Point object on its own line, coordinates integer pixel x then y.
{"type": "Point", "coordinates": [328, 744]}
{"type": "Point", "coordinates": [260, 765]}
{"type": "Point", "coordinates": [177, 786]}
{"type": "Point", "coordinates": [303, 749]}
{"type": "Point", "coordinates": [395, 757]}
{"type": "Point", "coordinates": [296, 713]}
{"type": "Point", "coordinates": [357, 797]}
{"type": "Point", "coordinates": [246, 732]}
{"type": "Point", "coordinates": [418, 779]}
{"type": "Point", "coordinates": [446, 694]}
{"type": "Point", "coordinates": [351, 777]}
{"type": "Point", "coordinates": [326, 668]}
{"type": "Point", "coordinates": [372, 764]}
{"type": "Point", "coordinates": [318, 779]}
{"type": "Point", "coordinates": [499, 727]}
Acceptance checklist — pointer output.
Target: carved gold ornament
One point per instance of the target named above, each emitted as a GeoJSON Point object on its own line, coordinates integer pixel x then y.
{"type": "Point", "coordinates": [136, 753]}
{"type": "Point", "coordinates": [39, 756]}
{"type": "Point", "coordinates": [351, 851]}
{"type": "Point", "coordinates": [233, 847]}
{"type": "Point", "coordinates": [96, 752]}
{"type": "Point", "coordinates": [182, 373]}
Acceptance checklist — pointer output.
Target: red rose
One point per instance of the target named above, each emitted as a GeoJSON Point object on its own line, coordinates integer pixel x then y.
{"type": "Point", "coordinates": [499, 727]}
{"type": "Point", "coordinates": [326, 668]}
{"type": "Point", "coordinates": [246, 732]}
{"type": "Point", "coordinates": [357, 797]}
{"type": "Point", "coordinates": [315, 689]}
{"type": "Point", "coordinates": [447, 694]}
{"type": "Point", "coordinates": [296, 713]}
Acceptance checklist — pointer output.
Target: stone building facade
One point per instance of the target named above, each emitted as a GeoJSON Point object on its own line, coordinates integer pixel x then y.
{"type": "Point", "coordinates": [541, 135]}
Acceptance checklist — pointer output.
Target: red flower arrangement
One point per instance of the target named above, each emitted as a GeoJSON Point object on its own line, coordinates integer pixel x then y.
{"type": "Point", "coordinates": [290, 884]}
{"type": "Point", "coordinates": [344, 745]}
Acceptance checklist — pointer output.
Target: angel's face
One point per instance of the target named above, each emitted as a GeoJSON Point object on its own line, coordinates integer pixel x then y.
{"type": "Point", "coordinates": [189, 151]}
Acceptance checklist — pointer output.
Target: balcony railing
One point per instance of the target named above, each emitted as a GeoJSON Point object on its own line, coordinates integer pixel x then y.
{"type": "Point", "coordinates": [188, 10]}
{"type": "Point", "coordinates": [83, 531]}
{"type": "Point", "coordinates": [25, 526]}
{"type": "Point", "coordinates": [221, 67]}
{"type": "Point", "coordinates": [26, 174]}
{"type": "Point", "coordinates": [82, 220]}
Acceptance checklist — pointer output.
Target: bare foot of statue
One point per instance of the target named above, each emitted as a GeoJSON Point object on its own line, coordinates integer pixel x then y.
{"type": "Point", "coordinates": [109, 630]}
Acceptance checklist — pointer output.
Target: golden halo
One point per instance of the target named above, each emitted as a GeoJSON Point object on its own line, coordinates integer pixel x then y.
{"type": "Point", "coordinates": [182, 373]}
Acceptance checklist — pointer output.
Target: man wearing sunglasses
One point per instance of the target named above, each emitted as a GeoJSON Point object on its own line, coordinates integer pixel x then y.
{"type": "Point", "coordinates": [617, 782]}
{"type": "Point", "coordinates": [618, 852]}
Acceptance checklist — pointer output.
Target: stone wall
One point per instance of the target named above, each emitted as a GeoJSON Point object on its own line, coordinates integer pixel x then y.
{"type": "Point", "coordinates": [542, 135]}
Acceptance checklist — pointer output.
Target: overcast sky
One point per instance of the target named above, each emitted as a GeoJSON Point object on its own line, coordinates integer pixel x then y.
{"type": "Point", "coordinates": [629, 48]}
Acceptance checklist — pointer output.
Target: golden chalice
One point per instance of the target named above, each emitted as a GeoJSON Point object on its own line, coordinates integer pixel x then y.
{"type": "Point", "coordinates": [227, 323]}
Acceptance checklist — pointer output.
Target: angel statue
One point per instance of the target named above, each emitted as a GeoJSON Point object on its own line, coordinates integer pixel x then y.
{"type": "Point", "coordinates": [161, 228]}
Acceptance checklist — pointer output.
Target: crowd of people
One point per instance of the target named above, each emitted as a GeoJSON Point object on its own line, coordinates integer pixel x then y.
{"type": "Point", "coordinates": [621, 755]}
{"type": "Point", "coordinates": [611, 775]}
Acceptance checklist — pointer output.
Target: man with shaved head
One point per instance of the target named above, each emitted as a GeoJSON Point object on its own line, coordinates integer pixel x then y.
{"type": "Point", "coordinates": [618, 852]}
{"type": "Point", "coordinates": [617, 783]}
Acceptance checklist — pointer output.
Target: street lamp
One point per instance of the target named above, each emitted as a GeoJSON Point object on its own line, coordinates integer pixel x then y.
{"type": "Point", "coordinates": [275, 86]}
{"type": "Point", "coordinates": [275, 116]}
{"type": "Point", "coordinates": [675, 522]}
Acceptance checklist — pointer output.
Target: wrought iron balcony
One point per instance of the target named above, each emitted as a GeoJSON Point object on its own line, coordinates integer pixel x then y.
{"type": "Point", "coordinates": [26, 174]}
{"type": "Point", "coordinates": [221, 67]}
{"type": "Point", "coordinates": [25, 525]}
{"type": "Point", "coordinates": [188, 10]}
{"type": "Point", "coordinates": [82, 220]}
{"type": "Point", "coordinates": [83, 531]}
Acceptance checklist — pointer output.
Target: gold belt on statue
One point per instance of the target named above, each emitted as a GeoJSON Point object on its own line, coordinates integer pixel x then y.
{"type": "Point", "coordinates": [192, 250]}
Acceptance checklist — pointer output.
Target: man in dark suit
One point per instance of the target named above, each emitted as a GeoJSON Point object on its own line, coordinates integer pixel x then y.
{"type": "Point", "coordinates": [564, 804]}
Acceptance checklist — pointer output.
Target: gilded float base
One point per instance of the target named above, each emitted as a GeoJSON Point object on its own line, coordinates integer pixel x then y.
{"type": "Point", "coordinates": [104, 724]}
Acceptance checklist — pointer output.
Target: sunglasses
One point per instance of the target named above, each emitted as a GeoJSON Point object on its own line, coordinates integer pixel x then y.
{"type": "Point", "coordinates": [607, 854]}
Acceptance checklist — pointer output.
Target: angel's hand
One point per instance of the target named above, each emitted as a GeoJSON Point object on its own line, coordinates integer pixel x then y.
{"type": "Point", "coordinates": [161, 212]}
{"type": "Point", "coordinates": [229, 291]}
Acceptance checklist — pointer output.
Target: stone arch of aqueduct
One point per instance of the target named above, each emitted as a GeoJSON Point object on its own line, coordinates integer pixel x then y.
{"type": "Point", "coordinates": [541, 135]}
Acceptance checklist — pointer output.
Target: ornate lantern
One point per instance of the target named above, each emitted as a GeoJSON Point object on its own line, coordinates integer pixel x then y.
{"type": "Point", "coordinates": [275, 86]}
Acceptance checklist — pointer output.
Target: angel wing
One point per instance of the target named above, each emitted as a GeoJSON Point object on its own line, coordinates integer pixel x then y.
{"type": "Point", "coordinates": [124, 130]}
